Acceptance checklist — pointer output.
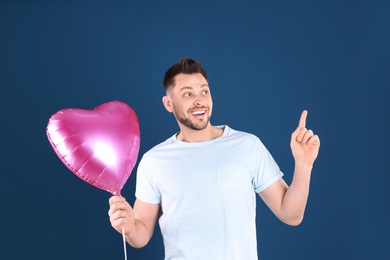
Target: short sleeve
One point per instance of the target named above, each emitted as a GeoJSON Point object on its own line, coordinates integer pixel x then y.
{"type": "Point", "coordinates": [146, 189]}
{"type": "Point", "coordinates": [267, 171]}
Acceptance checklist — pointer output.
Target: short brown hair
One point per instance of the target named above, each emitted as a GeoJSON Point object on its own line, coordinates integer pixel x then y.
{"type": "Point", "coordinates": [186, 66]}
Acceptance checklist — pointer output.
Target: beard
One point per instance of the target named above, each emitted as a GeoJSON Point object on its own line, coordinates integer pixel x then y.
{"type": "Point", "coordinates": [185, 120]}
{"type": "Point", "coordinates": [194, 126]}
{"type": "Point", "coordinates": [189, 123]}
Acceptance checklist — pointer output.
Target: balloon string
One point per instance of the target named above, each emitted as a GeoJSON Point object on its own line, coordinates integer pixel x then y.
{"type": "Point", "coordinates": [124, 242]}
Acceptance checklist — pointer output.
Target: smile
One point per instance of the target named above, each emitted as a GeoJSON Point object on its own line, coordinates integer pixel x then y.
{"type": "Point", "coordinates": [199, 112]}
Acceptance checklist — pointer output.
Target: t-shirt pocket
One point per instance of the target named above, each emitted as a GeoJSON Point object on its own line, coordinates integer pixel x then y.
{"type": "Point", "coordinates": [230, 176]}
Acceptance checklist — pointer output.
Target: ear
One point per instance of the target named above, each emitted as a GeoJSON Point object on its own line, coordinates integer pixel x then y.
{"type": "Point", "coordinates": [167, 103]}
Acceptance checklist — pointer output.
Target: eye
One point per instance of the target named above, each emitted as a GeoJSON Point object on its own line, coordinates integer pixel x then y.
{"type": "Point", "coordinates": [188, 94]}
{"type": "Point", "coordinates": [205, 92]}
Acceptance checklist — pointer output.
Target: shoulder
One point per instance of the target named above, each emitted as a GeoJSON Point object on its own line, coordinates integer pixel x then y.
{"type": "Point", "coordinates": [245, 140]}
{"type": "Point", "coordinates": [168, 144]}
{"type": "Point", "coordinates": [242, 135]}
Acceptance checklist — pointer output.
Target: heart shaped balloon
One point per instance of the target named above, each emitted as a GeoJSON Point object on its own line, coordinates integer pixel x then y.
{"type": "Point", "coordinates": [100, 146]}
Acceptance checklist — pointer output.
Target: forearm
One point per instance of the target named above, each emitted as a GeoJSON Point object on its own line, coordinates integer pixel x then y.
{"type": "Point", "coordinates": [137, 224]}
{"type": "Point", "coordinates": [289, 203]}
{"type": "Point", "coordinates": [295, 199]}
{"type": "Point", "coordinates": [139, 235]}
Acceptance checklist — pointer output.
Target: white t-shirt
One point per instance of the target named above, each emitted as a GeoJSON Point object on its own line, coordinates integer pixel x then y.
{"type": "Point", "coordinates": [207, 192]}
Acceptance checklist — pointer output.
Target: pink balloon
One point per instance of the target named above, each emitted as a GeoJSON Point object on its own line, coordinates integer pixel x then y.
{"type": "Point", "coordinates": [100, 146]}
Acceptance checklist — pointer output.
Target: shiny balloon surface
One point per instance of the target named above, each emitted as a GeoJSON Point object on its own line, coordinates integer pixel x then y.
{"type": "Point", "coordinates": [100, 146]}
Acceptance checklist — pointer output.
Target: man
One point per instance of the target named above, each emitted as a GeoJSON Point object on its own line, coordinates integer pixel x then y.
{"type": "Point", "coordinates": [201, 182]}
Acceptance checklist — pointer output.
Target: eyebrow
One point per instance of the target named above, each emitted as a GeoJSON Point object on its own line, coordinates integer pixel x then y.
{"type": "Point", "coordinates": [190, 88]}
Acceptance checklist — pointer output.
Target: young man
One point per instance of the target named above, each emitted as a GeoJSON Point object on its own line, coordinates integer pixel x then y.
{"type": "Point", "coordinates": [201, 182]}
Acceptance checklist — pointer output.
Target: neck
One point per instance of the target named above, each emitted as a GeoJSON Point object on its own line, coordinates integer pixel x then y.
{"type": "Point", "coordinates": [192, 136]}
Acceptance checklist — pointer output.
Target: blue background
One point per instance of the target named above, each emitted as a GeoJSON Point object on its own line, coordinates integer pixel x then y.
{"type": "Point", "coordinates": [266, 60]}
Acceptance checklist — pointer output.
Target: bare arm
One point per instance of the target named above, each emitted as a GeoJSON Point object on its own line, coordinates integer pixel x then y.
{"type": "Point", "coordinates": [138, 223]}
{"type": "Point", "coordinates": [289, 203]}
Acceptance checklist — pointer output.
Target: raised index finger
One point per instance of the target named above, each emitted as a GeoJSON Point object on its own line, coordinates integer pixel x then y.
{"type": "Point", "coordinates": [302, 120]}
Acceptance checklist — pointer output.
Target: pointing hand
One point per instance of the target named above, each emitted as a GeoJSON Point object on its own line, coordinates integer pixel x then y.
{"type": "Point", "coordinates": [304, 143]}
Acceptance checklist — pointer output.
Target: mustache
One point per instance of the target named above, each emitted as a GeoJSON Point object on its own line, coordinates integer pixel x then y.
{"type": "Point", "coordinates": [199, 107]}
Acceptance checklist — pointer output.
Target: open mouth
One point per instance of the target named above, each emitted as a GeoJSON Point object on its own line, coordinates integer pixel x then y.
{"type": "Point", "coordinates": [198, 113]}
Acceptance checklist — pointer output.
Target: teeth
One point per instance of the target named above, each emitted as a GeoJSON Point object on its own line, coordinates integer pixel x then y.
{"type": "Point", "coordinates": [198, 112]}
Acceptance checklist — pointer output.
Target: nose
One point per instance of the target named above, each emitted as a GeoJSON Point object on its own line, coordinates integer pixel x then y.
{"type": "Point", "coordinates": [199, 101]}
